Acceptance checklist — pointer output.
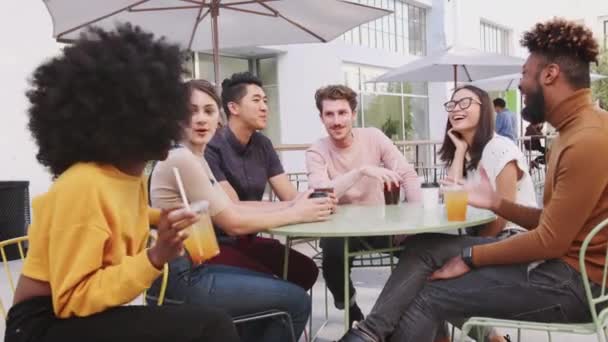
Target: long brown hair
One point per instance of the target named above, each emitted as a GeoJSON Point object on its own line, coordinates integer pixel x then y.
{"type": "Point", "coordinates": [207, 88]}
{"type": "Point", "coordinates": [204, 86]}
{"type": "Point", "coordinates": [483, 133]}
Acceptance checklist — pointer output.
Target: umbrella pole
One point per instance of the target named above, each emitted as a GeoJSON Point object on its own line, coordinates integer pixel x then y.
{"type": "Point", "coordinates": [215, 11]}
{"type": "Point", "coordinates": [455, 75]}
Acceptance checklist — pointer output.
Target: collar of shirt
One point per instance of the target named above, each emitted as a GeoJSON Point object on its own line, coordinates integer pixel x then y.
{"type": "Point", "coordinates": [567, 110]}
{"type": "Point", "coordinates": [234, 142]}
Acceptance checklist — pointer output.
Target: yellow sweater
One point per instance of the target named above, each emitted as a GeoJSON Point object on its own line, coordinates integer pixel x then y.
{"type": "Point", "coordinates": [88, 238]}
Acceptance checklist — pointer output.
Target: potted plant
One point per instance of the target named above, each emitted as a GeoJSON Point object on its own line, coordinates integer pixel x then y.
{"type": "Point", "coordinates": [390, 127]}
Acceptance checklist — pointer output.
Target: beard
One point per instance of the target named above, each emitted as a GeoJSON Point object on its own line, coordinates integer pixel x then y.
{"type": "Point", "coordinates": [534, 111]}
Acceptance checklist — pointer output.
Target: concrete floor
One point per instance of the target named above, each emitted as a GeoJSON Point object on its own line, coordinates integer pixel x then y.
{"type": "Point", "coordinates": [368, 281]}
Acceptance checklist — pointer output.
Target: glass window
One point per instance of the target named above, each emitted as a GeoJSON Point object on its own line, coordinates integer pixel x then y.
{"type": "Point", "coordinates": [267, 71]}
{"type": "Point", "coordinates": [228, 66]}
{"type": "Point", "coordinates": [398, 109]}
{"type": "Point", "coordinates": [356, 37]}
{"type": "Point", "coordinates": [364, 36]}
{"type": "Point", "coordinates": [416, 117]}
{"type": "Point", "coordinates": [384, 112]}
{"type": "Point", "coordinates": [189, 67]}
{"type": "Point", "coordinates": [403, 31]}
{"type": "Point", "coordinates": [494, 39]}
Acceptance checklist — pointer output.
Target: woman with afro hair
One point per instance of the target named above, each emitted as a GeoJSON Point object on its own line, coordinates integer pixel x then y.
{"type": "Point", "coordinates": [99, 112]}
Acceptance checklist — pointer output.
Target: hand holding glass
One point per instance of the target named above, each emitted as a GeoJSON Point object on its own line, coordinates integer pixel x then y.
{"type": "Point", "coordinates": [202, 243]}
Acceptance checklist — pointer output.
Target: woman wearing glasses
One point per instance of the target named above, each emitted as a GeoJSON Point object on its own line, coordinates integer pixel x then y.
{"type": "Point", "coordinates": [470, 148]}
{"type": "Point", "coordinates": [471, 144]}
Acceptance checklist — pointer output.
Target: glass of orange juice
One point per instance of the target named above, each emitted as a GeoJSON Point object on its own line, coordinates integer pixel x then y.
{"type": "Point", "coordinates": [202, 243]}
{"type": "Point", "coordinates": [455, 198]}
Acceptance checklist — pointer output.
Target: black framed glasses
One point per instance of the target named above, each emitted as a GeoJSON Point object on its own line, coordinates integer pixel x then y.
{"type": "Point", "coordinates": [463, 103]}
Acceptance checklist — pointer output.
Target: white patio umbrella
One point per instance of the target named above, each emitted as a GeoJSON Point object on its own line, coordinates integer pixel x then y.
{"type": "Point", "coordinates": [197, 24]}
{"type": "Point", "coordinates": [457, 64]}
{"type": "Point", "coordinates": [511, 81]}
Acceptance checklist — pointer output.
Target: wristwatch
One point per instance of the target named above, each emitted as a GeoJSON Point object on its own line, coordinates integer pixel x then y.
{"type": "Point", "coordinates": [467, 256]}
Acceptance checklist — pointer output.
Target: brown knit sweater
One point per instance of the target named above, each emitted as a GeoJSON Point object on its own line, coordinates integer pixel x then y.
{"type": "Point", "coordinates": [575, 198]}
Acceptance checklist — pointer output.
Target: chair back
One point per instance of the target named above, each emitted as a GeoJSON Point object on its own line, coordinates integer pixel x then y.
{"type": "Point", "coordinates": [19, 242]}
{"type": "Point", "coordinates": [165, 275]}
{"type": "Point", "coordinates": [599, 319]}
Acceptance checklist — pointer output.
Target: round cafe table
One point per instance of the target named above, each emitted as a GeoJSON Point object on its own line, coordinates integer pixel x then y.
{"type": "Point", "coordinates": [378, 220]}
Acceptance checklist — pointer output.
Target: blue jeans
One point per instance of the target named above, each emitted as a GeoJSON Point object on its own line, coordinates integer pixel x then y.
{"type": "Point", "coordinates": [239, 292]}
{"type": "Point", "coordinates": [411, 308]}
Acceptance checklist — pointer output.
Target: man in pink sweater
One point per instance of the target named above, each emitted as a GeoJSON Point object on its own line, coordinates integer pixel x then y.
{"type": "Point", "coordinates": [357, 163]}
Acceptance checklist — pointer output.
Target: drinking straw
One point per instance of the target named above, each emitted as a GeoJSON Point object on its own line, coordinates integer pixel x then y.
{"type": "Point", "coordinates": [182, 193]}
{"type": "Point", "coordinates": [180, 185]}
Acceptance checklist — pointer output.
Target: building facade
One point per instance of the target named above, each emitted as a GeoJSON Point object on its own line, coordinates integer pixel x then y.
{"type": "Point", "coordinates": [405, 111]}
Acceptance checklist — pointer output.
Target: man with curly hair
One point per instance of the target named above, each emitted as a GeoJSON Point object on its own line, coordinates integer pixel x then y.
{"type": "Point", "coordinates": [533, 275]}
{"type": "Point", "coordinates": [99, 112]}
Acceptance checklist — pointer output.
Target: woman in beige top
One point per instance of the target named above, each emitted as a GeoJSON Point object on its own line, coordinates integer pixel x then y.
{"type": "Point", "coordinates": [222, 285]}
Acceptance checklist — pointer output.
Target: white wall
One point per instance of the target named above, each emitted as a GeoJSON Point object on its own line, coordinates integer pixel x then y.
{"type": "Point", "coordinates": [302, 70]}
{"type": "Point", "coordinates": [521, 15]}
{"type": "Point", "coordinates": [26, 36]}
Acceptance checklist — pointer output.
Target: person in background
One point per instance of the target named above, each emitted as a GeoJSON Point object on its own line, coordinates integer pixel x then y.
{"type": "Point", "coordinates": [506, 121]}
{"type": "Point", "coordinates": [357, 163]}
{"type": "Point", "coordinates": [535, 131]}
{"type": "Point", "coordinates": [103, 108]}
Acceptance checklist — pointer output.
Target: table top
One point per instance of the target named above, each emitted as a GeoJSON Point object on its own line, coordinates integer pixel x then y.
{"type": "Point", "coordinates": [382, 220]}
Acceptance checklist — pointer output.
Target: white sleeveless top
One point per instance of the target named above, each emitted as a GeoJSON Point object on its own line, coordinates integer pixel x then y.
{"type": "Point", "coordinates": [497, 153]}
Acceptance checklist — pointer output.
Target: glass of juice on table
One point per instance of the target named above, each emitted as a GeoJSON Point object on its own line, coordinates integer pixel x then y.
{"type": "Point", "coordinates": [202, 243]}
{"type": "Point", "coordinates": [455, 199]}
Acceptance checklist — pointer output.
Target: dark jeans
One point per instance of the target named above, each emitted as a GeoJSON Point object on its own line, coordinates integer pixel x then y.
{"type": "Point", "coordinates": [34, 321]}
{"type": "Point", "coordinates": [333, 262]}
{"type": "Point", "coordinates": [411, 308]}
{"type": "Point", "coordinates": [239, 292]}
{"type": "Point", "coordinates": [266, 256]}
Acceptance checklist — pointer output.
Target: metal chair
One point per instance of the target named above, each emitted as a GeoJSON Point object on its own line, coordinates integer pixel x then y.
{"type": "Point", "coordinates": [266, 315]}
{"type": "Point", "coordinates": [19, 242]}
{"type": "Point", "coordinates": [236, 320]}
{"type": "Point", "coordinates": [596, 326]}
{"type": "Point", "coordinates": [163, 288]}
{"type": "Point", "coordinates": [165, 275]}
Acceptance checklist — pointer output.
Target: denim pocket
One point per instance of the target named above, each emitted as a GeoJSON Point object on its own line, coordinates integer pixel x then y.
{"type": "Point", "coordinates": [554, 275]}
{"type": "Point", "coordinates": [551, 314]}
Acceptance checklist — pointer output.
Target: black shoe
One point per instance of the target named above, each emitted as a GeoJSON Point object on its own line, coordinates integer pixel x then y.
{"type": "Point", "coordinates": [355, 335]}
{"type": "Point", "coordinates": [354, 315]}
